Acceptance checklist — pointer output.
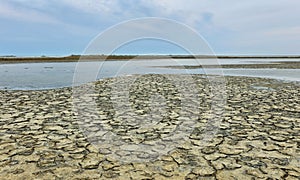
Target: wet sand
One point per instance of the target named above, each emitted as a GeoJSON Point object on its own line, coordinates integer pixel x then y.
{"type": "Point", "coordinates": [258, 136]}
{"type": "Point", "coordinates": [265, 65]}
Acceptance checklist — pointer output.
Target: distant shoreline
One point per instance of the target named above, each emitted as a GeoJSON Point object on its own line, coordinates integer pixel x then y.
{"type": "Point", "coordinates": [75, 58]}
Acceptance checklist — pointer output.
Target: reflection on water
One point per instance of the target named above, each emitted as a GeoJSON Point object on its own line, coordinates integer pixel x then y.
{"type": "Point", "coordinates": [56, 75]}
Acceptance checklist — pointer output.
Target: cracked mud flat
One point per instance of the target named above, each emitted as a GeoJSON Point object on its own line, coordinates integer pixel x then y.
{"type": "Point", "coordinates": [42, 137]}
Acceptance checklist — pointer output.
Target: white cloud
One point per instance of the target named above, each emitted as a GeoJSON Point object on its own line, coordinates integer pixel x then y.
{"type": "Point", "coordinates": [37, 13]}
{"type": "Point", "coordinates": [32, 3]}
{"type": "Point", "coordinates": [251, 24]}
{"type": "Point", "coordinates": [100, 7]}
{"type": "Point", "coordinates": [233, 14]}
{"type": "Point", "coordinates": [24, 14]}
{"type": "Point", "coordinates": [293, 32]}
{"type": "Point", "coordinates": [230, 14]}
{"type": "Point", "coordinates": [254, 26]}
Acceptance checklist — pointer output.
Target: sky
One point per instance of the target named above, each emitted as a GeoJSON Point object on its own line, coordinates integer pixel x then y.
{"type": "Point", "coordinates": [231, 27]}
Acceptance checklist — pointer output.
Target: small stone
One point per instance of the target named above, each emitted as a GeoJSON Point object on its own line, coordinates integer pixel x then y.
{"type": "Point", "coordinates": [46, 163]}
{"type": "Point", "coordinates": [53, 128]}
{"type": "Point", "coordinates": [6, 116]}
{"type": "Point", "coordinates": [29, 115]}
{"type": "Point", "coordinates": [139, 166]}
{"type": "Point", "coordinates": [232, 175]}
{"type": "Point", "coordinates": [278, 138]}
{"type": "Point", "coordinates": [284, 126]}
{"type": "Point", "coordinates": [18, 171]}
{"type": "Point", "coordinates": [294, 173]}
{"type": "Point", "coordinates": [255, 173]}
{"type": "Point", "coordinates": [169, 166]}
{"type": "Point", "coordinates": [105, 151]}
{"type": "Point", "coordinates": [77, 156]}
{"type": "Point", "coordinates": [107, 166]}
{"type": "Point", "coordinates": [78, 151]}
{"type": "Point", "coordinates": [230, 150]}
{"type": "Point", "coordinates": [204, 171]}
{"type": "Point", "coordinates": [208, 150]}
{"type": "Point", "coordinates": [22, 152]}
{"type": "Point", "coordinates": [92, 161]}
{"type": "Point", "coordinates": [214, 156]}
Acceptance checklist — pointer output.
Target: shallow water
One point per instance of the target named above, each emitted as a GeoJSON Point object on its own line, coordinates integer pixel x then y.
{"type": "Point", "coordinates": [27, 76]}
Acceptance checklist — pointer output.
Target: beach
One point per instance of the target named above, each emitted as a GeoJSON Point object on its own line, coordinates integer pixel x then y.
{"type": "Point", "coordinates": [257, 135]}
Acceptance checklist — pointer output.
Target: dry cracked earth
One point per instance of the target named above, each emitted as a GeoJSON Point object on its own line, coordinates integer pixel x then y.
{"type": "Point", "coordinates": [158, 127]}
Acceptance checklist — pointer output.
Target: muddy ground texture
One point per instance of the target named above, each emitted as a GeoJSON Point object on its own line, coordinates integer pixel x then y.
{"type": "Point", "coordinates": [253, 134]}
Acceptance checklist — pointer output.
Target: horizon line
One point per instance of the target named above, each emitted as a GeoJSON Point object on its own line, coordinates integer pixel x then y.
{"type": "Point", "coordinates": [157, 55]}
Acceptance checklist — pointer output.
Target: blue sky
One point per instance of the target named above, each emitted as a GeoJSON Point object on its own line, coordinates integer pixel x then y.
{"type": "Point", "coordinates": [64, 27]}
